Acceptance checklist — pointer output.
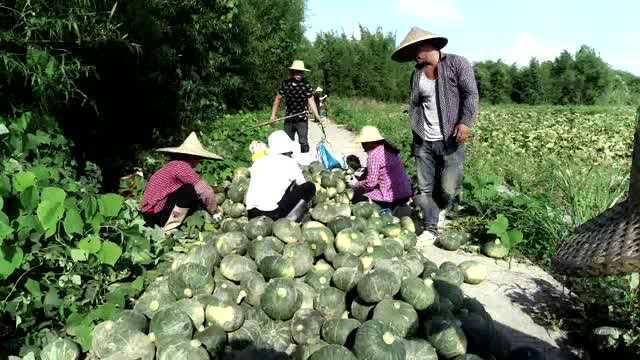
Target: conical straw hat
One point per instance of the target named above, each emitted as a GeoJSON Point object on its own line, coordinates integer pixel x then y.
{"type": "Point", "coordinates": [407, 49]}
{"type": "Point", "coordinates": [298, 65]}
{"type": "Point", "coordinates": [191, 146]}
{"type": "Point", "coordinates": [371, 134]}
{"type": "Point", "coordinates": [608, 244]}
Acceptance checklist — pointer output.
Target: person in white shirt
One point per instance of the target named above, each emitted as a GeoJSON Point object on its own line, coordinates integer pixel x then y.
{"type": "Point", "coordinates": [278, 188]}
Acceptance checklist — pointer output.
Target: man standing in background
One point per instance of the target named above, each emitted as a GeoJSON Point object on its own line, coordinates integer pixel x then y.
{"type": "Point", "coordinates": [442, 107]}
{"type": "Point", "coordinates": [298, 97]}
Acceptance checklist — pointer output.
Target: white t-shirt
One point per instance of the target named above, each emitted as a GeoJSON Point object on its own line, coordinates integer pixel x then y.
{"type": "Point", "coordinates": [429, 106]}
{"type": "Point", "coordinates": [271, 176]}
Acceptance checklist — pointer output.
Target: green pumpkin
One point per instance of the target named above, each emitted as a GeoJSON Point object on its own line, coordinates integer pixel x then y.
{"type": "Point", "coordinates": [361, 310]}
{"type": "Point", "coordinates": [229, 317]}
{"type": "Point", "coordinates": [377, 285]}
{"type": "Point", "coordinates": [450, 273]}
{"type": "Point", "coordinates": [495, 249]}
{"type": "Point", "coordinates": [182, 350]}
{"type": "Point", "coordinates": [420, 349]}
{"type": "Point", "coordinates": [263, 247]}
{"type": "Point", "coordinates": [333, 352]}
{"type": "Point", "coordinates": [233, 267]}
{"type": "Point", "coordinates": [340, 331]}
{"type": "Point", "coordinates": [280, 299]}
{"type": "Point", "coordinates": [234, 242]}
{"type": "Point", "coordinates": [306, 325]}
{"type": "Point", "coordinates": [446, 337]}
{"type": "Point", "coordinates": [376, 341]}
{"type": "Point", "coordinates": [277, 267]}
{"type": "Point", "coordinates": [452, 240]}
{"type": "Point", "coordinates": [401, 317]}
{"type": "Point", "coordinates": [213, 338]}
{"type": "Point", "coordinates": [330, 302]}
{"type": "Point", "coordinates": [351, 241]}
{"type": "Point", "coordinates": [170, 324]}
{"type": "Point", "coordinates": [301, 257]}
{"type": "Point", "coordinates": [247, 335]}
{"type": "Point", "coordinates": [287, 230]}
{"type": "Point", "coordinates": [346, 278]}
{"type": "Point", "coordinates": [419, 293]}
{"type": "Point", "coordinates": [190, 280]}
{"type": "Point", "coordinates": [259, 226]}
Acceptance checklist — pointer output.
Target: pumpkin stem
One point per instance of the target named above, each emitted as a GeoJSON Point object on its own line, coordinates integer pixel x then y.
{"type": "Point", "coordinates": [388, 338]}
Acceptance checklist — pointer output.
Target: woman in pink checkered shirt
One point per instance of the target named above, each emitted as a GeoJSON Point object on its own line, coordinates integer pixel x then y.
{"type": "Point", "coordinates": [386, 182]}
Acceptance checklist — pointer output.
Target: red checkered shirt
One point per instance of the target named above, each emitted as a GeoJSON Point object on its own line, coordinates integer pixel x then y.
{"type": "Point", "coordinates": [169, 179]}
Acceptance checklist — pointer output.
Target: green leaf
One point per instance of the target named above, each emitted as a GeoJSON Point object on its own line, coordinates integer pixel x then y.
{"type": "Point", "coordinates": [109, 253]}
{"type": "Point", "coordinates": [73, 223]}
{"type": "Point", "coordinates": [89, 206]}
{"type": "Point", "coordinates": [634, 281]}
{"type": "Point", "coordinates": [52, 300]}
{"type": "Point", "coordinates": [5, 185]}
{"type": "Point", "coordinates": [23, 180]}
{"type": "Point", "coordinates": [51, 208]}
{"type": "Point", "coordinates": [110, 205]}
{"type": "Point", "coordinates": [29, 198]}
{"type": "Point", "coordinates": [90, 244]}
{"type": "Point", "coordinates": [83, 336]}
{"type": "Point", "coordinates": [515, 237]}
{"type": "Point", "coordinates": [1, 203]}
{"type": "Point", "coordinates": [5, 229]}
{"type": "Point", "coordinates": [79, 255]}
{"type": "Point", "coordinates": [34, 289]}
{"type": "Point", "coordinates": [498, 226]}
{"type": "Point", "coordinates": [96, 222]}
{"type": "Point", "coordinates": [10, 260]}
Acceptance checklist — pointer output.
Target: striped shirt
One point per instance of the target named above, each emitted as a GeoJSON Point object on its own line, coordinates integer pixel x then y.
{"type": "Point", "coordinates": [457, 96]}
{"type": "Point", "coordinates": [169, 179]}
{"type": "Point", "coordinates": [386, 179]}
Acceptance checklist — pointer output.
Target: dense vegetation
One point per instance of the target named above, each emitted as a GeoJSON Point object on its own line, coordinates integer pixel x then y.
{"type": "Point", "coordinates": [119, 77]}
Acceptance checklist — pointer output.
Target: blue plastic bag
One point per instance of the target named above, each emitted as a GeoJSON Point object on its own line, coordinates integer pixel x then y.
{"type": "Point", "coordinates": [327, 159]}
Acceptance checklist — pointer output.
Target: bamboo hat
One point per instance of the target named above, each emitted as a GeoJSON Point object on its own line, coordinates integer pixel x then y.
{"type": "Point", "coordinates": [407, 49]}
{"type": "Point", "coordinates": [372, 134]}
{"type": "Point", "coordinates": [608, 244]}
{"type": "Point", "coordinates": [298, 65]}
{"type": "Point", "coordinates": [191, 146]}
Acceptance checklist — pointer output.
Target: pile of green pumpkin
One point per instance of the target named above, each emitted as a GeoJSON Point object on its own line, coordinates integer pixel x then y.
{"type": "Point", "coordinates": [345, 283]}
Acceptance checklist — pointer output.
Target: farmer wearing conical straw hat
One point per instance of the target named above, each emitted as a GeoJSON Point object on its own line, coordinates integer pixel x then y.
{"type": "Point", "coordinates": [298, 97]}
{"type": "Point", "coordinates": [176, 189]}
{"type": "Point", "coordinates": [442, 106]}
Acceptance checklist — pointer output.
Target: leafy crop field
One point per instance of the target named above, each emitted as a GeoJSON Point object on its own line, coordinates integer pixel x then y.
{"type": "Point", "coordinates": [546, 170]}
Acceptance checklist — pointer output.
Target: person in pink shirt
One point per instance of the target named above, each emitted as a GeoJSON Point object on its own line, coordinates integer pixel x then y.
{"type": "Point", "coordinates": [176, 190]}
{"type": "Point", "coordinates": [386, 182]}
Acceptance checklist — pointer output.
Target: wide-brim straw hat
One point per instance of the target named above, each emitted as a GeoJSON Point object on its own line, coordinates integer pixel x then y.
{"type": "Point", "coordinates": [609, 244]}
{"type": "Point", "coordinates": [370, 134]}
{"type": "Point", "coordinates": [319, 89]}
{"type": "Point", "coordinates": [298, 65]}
{"type": "Point", "coordinates": [280, 143]}
{"type": "Point", "coordinates": [407, 49]}
{"type": "Point", "coordinates": [193, 147]}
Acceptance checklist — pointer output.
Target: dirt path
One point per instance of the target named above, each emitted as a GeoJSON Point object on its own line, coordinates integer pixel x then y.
{"type": "Point", "coordinates": [514, 294]}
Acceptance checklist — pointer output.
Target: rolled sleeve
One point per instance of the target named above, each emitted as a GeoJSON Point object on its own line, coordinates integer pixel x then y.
{"type": "Point", "coordinates": [375, 162]}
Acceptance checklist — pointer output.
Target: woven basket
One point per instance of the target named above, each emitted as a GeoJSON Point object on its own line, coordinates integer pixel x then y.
{"type": "Point", "coordinates": [609, 244]}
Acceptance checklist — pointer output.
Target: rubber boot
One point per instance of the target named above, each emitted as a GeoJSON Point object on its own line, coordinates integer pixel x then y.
{"type": "Point", "coordinates": [176, 218]}
{"type": "Point", "coordinates": [298, 211]}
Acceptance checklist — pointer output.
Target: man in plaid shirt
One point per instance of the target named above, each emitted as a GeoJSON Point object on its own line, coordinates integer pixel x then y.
{"type": "Point", "coordinates": [176, 190]}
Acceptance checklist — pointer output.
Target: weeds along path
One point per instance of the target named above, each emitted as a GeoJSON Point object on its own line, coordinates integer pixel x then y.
{"type": "Point", "coordinates": [522, 298]}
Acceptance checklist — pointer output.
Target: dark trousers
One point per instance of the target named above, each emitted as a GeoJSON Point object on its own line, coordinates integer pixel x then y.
{"type": "Point", "coordinates": [184, 197]}
{"type": "Point", "coordinates": [289, 200]}
{"type": "Point", "coordinates": [301, 127]}
{"type": "Point", "coordinates": [440, 168]}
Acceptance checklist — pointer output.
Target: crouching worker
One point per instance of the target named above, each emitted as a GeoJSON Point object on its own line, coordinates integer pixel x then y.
{"type": "Point", "coordinates": [176, 190]}
{"type": "Point", "coordinates": [386, 182]}
{"type": "Point", "coordinates": [277, 188]}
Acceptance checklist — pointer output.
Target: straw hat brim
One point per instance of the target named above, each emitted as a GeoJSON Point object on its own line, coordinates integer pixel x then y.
{"type": "Point", "coordinates": [362, 140]}
{"type": "Point", "coordinates": [298, 68]}
{"type": "Point", "coordinates": [204, 154]}
{"type": "Point", "coordinates": [608, 244]}
{"type": "Point", "coordinates": [407, 52]}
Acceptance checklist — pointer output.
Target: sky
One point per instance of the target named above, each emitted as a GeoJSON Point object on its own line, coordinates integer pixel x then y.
{"type": "Point", "coordinates": [511, 30]}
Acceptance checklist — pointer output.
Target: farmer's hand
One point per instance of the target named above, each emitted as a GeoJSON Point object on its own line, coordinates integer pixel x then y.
{"type": "Point", "coordinates": [461, 132]}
